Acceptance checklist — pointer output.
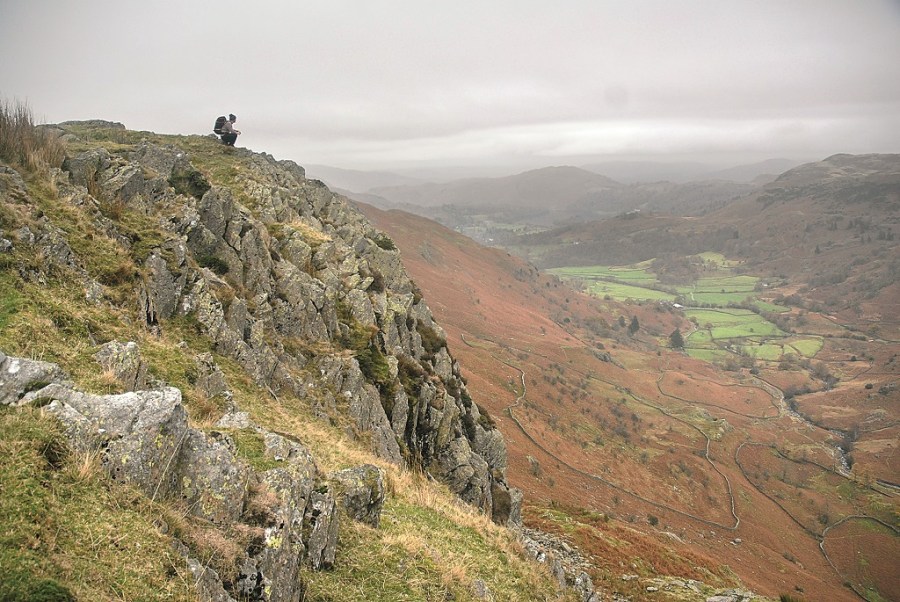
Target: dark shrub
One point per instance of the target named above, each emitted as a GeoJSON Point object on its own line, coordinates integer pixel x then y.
{"type": "Point", "coordinates": [214, 263]}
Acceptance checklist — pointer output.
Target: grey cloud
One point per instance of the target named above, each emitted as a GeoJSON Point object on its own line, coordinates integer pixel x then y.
{"type": "Point", "coordinates": [365, 82]}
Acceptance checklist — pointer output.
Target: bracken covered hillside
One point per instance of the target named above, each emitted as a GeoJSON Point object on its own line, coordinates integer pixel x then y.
{"type": "Point", "coordinates": [217, 380]}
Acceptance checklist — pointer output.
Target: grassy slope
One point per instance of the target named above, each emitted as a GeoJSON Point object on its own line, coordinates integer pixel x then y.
{"type": "Point", "coordinates": [429, 543]}
{"type": "Point", "coordinates": [51, 537]}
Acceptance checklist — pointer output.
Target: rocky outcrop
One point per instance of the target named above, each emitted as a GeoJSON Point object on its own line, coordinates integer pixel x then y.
{"type": "Point", "coordinates": [273, 259]}
{"type": "Point", "coordinates": [565, 563]}
{"type": "Point", "coordinates": [733, 595]}
{"type": "Point", "coordinates": [144, 441]}
{"type": "Point", "coordinates": [290, 283]}
{"type": "Point", "coordinates": [141, 434]}
{"type": "Point", "coordinates": [360, 493]}
{"type": "Point", "coordinates": [18, 376]}
{"type": "Point", "coordinates": [123, 361]}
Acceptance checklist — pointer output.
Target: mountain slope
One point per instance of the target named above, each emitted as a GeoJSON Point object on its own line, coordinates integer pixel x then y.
{"type": "Point", "coordinates": [273, 340]}
{"type": "Point", "coordinates": [490, 209]}
{"type": "Point", "coordinates": [528, 191]}
{"type": "Point", "coordinates": [815, 225]}
{"type": "Point", "coordinates": [753, 171]}
{"type": "Point", "coordinates": [601, 424]}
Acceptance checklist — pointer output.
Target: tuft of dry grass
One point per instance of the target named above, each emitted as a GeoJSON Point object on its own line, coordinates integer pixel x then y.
{"type": "Point", "coordinates": [313, 236]}
{"type": "Point", "coordinates": [108, 380]}
{"type": "Point", "coordinates": [51, 535]}
{"type": "Point", "coordinates": [84, 466]}
{"type": "Point", "coordinates": [204, 411]}
{"type": "Point", "coordinates": [24, 144]}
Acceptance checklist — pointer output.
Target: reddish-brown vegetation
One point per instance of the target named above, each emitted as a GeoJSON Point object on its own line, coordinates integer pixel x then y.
{"type": "Point", "coordinates": [600, 420]}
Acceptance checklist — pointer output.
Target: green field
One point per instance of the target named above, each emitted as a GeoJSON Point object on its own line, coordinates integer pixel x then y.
{"type": "Point", "coordinates": [733, 323]}
{"type": "Point", "coordinates": [718, 259]}
{"type": "Point", "coordinates": [719, 290]}
{"type": "Point", "coordinates": [709, 355]}
{"type": "Point", "coordinates": [808, 347]}
{"type": "Point", "coordinates": [628, 274]}
{"type": "Point", "coordinates": [623, 292]}
{"type": "Point", "coordinates": [770, 307]}
{"type": "Point", "coordinates": [721, 330]}
{"type": "Point", "coordinates": [764, 351]}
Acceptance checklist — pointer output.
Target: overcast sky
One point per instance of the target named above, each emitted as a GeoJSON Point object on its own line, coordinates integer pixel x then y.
{"type": "Point", "coordinates": [390, 84]}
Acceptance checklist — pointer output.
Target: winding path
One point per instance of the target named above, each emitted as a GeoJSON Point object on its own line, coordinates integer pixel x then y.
{"type": "Point", "coordinates": [510, 412]}
{"type": "Point", "coordinates": [772, 390]}
{"type": "Point", "coordinates": [819, 537]}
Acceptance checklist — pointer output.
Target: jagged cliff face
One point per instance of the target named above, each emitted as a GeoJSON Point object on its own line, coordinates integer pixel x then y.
{"type": "Point", "coordinates": [293, 283]}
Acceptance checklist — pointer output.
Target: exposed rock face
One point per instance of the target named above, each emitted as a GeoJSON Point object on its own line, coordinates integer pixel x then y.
{"type": "Point", "coordinates": [277, 258]}
{"type": "Point", "coordinates": [141, 433]}
{"type": "Point", "coordinates": [145, 441]}
{"type": "Point", "coordinates": [20, 375]}
{"type": "Point", "coordinates": [360, 493]}
{"type": "Point", "coordinates": [321, 532]}
{"type": "Point", "coordinates": [565, 563]}
{"type": "Point", "coordinates": [124, 361]}
{"type": "Point", "coordinates": [584, 588]}
{"type": "Point", "coordinates": [292, 284]}
{"type": "Point", "coordinates": [206, 580]}
{"type": "Point", "coordinates": [481, 591]}
{"type": "Point", "coordinates": [733, 595]}
{"type": "Point", "coordinates": [212, 480]}
{"type": "Point", "coordinates": [210, 379]}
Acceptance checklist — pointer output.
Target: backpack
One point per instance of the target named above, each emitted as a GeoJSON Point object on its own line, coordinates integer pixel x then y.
{"type": "Point", "coordinates": [220, 121]}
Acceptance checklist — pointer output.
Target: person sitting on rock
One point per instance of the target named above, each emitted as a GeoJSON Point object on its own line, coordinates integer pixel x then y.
{"type": "Point", "coordinates": [229, 134]}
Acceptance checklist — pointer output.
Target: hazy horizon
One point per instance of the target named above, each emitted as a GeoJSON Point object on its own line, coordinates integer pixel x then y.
{"type": "Point", "coordinates": [504, 85]}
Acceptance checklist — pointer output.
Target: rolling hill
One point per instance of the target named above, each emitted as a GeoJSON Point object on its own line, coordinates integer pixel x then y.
{"type": "Point", "coordinates": [831, 227]}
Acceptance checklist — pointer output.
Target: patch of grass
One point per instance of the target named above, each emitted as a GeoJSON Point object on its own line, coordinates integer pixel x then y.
{"type": "Point", "coordinates": [808, 347]}
{"type": "Point", "coordinates": [53, 322]}
{"type": "Point", "coordinates": [709, 355]}
{"type": "Point", "coordinates": [623, 292]}
{"type": "Point", "coordinates": [23, 587]}
{"type": "Point", "coordinates": [768, 352]}
{"type": "Point", "coordinates": [627, 274]}
{"type": "Point", "coordinates": [50, 538]}
{"type": "Point", "coordinates": [699, 338]}
{"type": "Point", "coordinates": [432, 341]}
{"type": "Point", "coordinates": [717, 259]}
{"type": "Point", "coordinates": [428, 548]}
{"type": "Point", "coordinates": [310, 235]}
{"type": "Point", "coordinates": [772, 308]}
{"type": "Point", "coordinates": [384, 242]}
{"type": "Point", "coordinates": [252, 448]}
{"type": "Point", "coordinates": [10, 298]}
{"type": "Point", "coordinates": [371, 360]}
{"type": "Point", "coordinates": [733, 323]}
{"type": "Point", "coordinates": [143, 232]}
{"type": "Point", "coordinates": [362, 340]}
{"type": "Point", "coordinates": [724, 283]}
{"type": "Point", "coordinates": [485, 419]}
{"type": "Point", "coordinates": [376, 571]}
{"type": "Point", "coordinates": [412, 375]}
{"type": "Point", "coordinates": [189, 182]}
{"type": "Point", "coordinates": [719, 299]}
